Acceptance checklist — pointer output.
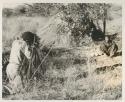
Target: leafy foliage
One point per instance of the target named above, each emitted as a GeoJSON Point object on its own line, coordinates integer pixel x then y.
{"type": "Point", "coordinates": [81, 17]}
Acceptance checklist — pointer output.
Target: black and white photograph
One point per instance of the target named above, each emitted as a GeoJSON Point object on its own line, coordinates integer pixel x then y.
{"type": "Point", "coordinates": [62, 51]}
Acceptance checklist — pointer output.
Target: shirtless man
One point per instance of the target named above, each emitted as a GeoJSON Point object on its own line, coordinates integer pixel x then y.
{"type": "Point", "coordinates": [109, 47]}
{"type": "Point", "coordinates": [21, 48]}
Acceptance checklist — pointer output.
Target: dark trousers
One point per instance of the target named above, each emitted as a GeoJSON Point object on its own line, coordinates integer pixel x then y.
{"type": "Point", "coordinates": [109, 50]}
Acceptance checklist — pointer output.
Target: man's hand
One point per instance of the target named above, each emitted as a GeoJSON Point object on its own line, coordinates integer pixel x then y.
{"type": "Point", "coordinates": [28, 52]}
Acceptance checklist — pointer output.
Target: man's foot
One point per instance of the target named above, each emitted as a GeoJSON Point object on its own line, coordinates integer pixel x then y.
{"type": "Point", "coordinates": [111, 56]}
{"type": "Point", "coordinates": [105, 55]}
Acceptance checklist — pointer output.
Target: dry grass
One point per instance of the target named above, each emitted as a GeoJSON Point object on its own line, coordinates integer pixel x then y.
{"type": "Point", "coordinates": [68, 76]}
{"type": "Point", "coordinates": [75, 81]}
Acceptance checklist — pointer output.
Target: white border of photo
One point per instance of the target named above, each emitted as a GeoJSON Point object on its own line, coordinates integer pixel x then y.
{"type": "Point", "coordinates": [11, 3]}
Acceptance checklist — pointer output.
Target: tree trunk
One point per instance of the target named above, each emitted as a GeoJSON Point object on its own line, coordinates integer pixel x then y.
{"type": "Point", "coordinates": [104, 19]}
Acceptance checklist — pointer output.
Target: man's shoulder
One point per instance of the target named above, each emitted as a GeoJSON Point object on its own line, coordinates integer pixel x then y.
{"type": "Point", "coordinates": [19, 43]}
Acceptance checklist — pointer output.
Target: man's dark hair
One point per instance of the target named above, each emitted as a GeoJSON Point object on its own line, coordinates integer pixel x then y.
{"type": "Point", "coordinates": [31, 38]}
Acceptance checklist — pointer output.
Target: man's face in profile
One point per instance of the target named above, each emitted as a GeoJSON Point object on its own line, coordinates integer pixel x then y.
{"type": "Point", "coordinates": [106, 39]}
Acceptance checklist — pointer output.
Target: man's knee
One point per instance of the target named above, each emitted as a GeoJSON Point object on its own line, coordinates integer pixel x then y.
{"type": "Point", "coordinates": [104, 49]}
{"type": "Point", "coordinates": [18, 83]}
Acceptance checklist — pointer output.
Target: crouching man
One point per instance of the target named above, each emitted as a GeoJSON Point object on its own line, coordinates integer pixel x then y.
{"type": "Point", "coordinates": [21, 48]}
{"type": "Point", "coordinates": [109, 47]}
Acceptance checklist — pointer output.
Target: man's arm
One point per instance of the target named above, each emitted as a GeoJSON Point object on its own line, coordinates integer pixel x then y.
{"type": "Point", "coordinates": [27, 52]}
